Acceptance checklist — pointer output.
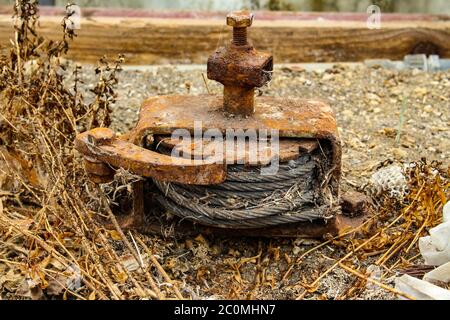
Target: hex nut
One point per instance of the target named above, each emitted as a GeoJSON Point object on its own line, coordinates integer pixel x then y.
{"type": "Point", "coordinates": [232, 68]}
{"type": "Point", "coordinates": [240, 19]}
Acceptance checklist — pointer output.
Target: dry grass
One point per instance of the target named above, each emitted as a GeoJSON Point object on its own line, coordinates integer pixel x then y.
{"type": "Point", "coordinates": [51, 245]}
{"type": "Point", "coordinates": [391, 234]}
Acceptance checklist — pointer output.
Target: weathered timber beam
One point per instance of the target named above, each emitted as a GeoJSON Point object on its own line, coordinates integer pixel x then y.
{"type": "Point", "coordinates": [290, 38]}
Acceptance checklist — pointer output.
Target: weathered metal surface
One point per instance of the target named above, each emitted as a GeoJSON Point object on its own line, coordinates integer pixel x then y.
{"type": "Point", "coordinates": [239, 100]}
{"type": "Point", "coordinates": [134, 219]}
{"type": "Point", "coordinates": [291, 118]}
{"type": "Point", "coordinates": [239, 67]}
{"type": "Point", "coordinates": [98, 172]}
{"type": "Point", "coordinates": [99, 179]}
{"type": "Point", "coordinates": [240, 19]}
{"type": "Point", "coordinates": [354, 203]}
{"type": "Point", "coordinates": [102, 145]}
{"type": "Point", "coordinates": [301, 125]}
{"type": "Point", "coordinates": [98, 168]}
{"type": "Point", "coordinates": [176, 228]}
{"type": "Point", "coordinates": [289, 149]}
{"type": "Point", "coordinates": [315, 229]}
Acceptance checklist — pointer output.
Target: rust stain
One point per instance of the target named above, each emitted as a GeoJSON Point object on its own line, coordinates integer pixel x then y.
{"type": "Point", "coordinates": [294, 118]}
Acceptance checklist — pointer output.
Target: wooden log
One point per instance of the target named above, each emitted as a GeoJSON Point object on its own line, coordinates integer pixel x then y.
{"type": "Point", "coordinates": [290, 38]}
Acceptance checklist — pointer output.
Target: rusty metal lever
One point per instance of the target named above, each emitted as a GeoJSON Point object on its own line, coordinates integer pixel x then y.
{"type": "Point", "coordinates": [103, 150]}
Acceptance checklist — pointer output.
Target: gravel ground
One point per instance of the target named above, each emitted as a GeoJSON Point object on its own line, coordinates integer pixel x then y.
{"type": "Point", "coordinates": [371, 104]}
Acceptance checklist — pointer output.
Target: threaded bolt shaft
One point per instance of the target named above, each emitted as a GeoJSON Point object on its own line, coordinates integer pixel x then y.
{"type": "Point", "coordinates": [240, 36]}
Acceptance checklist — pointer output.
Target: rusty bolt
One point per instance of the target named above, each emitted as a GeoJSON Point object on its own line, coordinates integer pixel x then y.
{"type": "Point", "coordinates": [240, 67]}
{"type": "Point", "coordinates": [240, 21]}
{"type": "Point", "coordinates": [354, 203]}
{"type": "Point", "coordinates": [97, 171]}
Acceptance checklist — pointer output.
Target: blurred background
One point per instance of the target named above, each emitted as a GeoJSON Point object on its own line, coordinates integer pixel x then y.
{"type": "Point", "coordinates": [405, 6]}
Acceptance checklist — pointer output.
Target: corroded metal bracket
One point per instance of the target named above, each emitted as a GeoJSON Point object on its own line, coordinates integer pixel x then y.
{"type": "Point", "coordinates": [102, 149]}
{"type": "Point", "coordinates": [291, 118]}
{"type": "Point", "coordinates": [239, 67]}
{"type": "Point", "coordinates": [303, 126]}
{"type": "Point", "coordinates": [295, 118]}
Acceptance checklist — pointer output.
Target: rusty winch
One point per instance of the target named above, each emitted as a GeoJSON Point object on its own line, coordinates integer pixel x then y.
{"type": "Point", "coordinates": [231, 164]}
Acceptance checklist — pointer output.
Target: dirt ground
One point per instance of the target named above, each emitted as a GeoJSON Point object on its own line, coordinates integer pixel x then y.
{"type": "Point", "coordinates": [371, 105]}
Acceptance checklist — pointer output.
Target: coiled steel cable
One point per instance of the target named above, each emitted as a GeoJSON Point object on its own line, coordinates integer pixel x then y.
{"type": "Point", "coordinates": [248, 199]}
{"type": "Point", "coordinates": [303, 215]}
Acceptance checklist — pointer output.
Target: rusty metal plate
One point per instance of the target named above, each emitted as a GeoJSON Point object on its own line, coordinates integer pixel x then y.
{"type": "Point", "coordinates": [289, 149]}
{"type": "Point", "coordinates": [293, 118]}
